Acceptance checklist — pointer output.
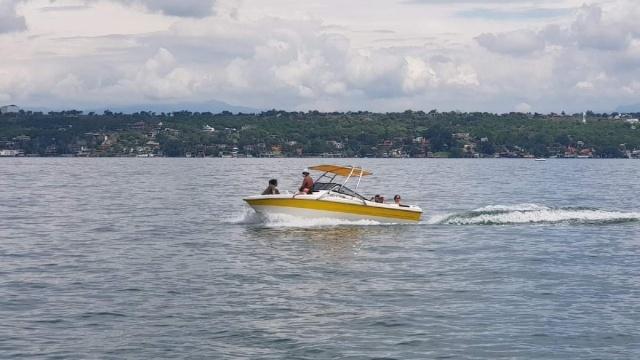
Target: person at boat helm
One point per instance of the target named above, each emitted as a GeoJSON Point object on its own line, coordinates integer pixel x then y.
{"type": "Point", "coordinates": [272, 189]}
{"type": "Point", "coordinates": [397, 199]}
{"type": "Point", "coordinates": [307, 183]}
{"type": "Point", "coordinates": [378, 198]}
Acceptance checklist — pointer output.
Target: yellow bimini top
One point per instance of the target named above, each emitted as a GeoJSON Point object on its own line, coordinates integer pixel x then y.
{"type": "Point", "coordinates": [342, 170]}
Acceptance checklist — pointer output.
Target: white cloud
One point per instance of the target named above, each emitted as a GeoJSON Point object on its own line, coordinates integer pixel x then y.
{"type": "Point", "coordinates": [584, 85]}
{"type": "Point", "coordinates": [179, 8]}
{"type": "Point", "coordinates": [462, 75]}
{"type": "Point", "coordinates": [523, 108]}
{"type": "Point", "coordinates": [418, 75]}
{"type": "Point", "coordinates": [70, 86]}
{"type": "Point", "coordinates": [189, 8]}
{"type": "Point", "coordinates": [301, 55]}
{"type": "Point", "coordinates": [590, 30]}
{"type": "Point", "coordinates": [161, 78]}
{"type": "Point", "coordinates": [9, 20]}
{"type": "Point", "coordinates": [519, 42]}
{"type": "Point", "coordinates": [587, 62]}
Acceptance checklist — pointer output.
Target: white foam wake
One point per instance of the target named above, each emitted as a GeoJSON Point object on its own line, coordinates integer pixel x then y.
{"type": "Point", "coordinates": [517, 207]}
{"type": "Point", "coordinates": [290, 221]}
{"type": "Point", "coordinates": [487, 215]}
{"type": "Point", "coordinates": [248, 216]}
{"type": "Point", "coordinates": [534, 214]}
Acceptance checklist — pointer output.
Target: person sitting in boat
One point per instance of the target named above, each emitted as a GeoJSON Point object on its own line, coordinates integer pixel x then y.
{"type": "Point", "coordinates": [397, 200]}
{"type": "Point", "coordinates": [272, 189]}
{"type": "Point", "coordinates": [307, 183]}
{"type": "Point", "coordinates": [378, 198]}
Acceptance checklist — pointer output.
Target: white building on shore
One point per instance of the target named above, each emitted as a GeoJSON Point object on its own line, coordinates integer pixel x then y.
{"type": "Point", "coordinates": [9, 109]}
{"type": "Point", "coordinates": [11, 153]}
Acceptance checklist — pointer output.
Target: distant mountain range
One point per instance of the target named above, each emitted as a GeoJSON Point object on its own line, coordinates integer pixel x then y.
{"type": "Point", "coordinates": [213, 106]}
{"type": "Point", "coordinates": [633, 108]}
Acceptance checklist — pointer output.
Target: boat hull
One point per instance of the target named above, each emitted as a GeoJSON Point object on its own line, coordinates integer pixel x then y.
{"type": "Point", "coordinates": [311, 208]}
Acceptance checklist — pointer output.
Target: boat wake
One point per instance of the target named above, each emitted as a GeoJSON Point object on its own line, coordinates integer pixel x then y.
{"type": "Point", "coordinates": [248, 216]}
{"type": "Point", "coordinates": [281, 220]}
{"type": "Point", "coordinates": [534, 214]}
{"type": "Point", "coordinates": [488, 215]}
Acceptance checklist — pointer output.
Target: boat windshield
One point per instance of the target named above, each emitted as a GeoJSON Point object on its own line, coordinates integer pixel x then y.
{"type": "Point", "coordinates": [339, 188]}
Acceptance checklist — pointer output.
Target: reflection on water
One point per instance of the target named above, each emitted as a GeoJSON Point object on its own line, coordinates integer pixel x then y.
{"type": "Point", "coordinates": [334, 241]}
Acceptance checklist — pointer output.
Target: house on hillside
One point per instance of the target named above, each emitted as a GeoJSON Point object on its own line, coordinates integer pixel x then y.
{"type": "Point", "coordinates": [137, 125]}
{"type": "Point", "coordinates": [9, 109]}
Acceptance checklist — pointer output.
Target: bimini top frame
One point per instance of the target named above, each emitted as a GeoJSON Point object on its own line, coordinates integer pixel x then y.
{"type": "Point", "coordinates": [346, 171]}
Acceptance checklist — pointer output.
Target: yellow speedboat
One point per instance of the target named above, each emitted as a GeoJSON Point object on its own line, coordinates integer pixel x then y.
{"type": "Point", "coordinates": [333, 200]}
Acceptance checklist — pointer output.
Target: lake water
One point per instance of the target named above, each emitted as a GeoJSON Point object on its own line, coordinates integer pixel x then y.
{"type": "Point", "coordinates": [159, 258]}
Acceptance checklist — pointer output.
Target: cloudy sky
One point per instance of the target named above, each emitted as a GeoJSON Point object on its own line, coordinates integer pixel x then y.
{"type": "Point", "coordinates": [380, 55]}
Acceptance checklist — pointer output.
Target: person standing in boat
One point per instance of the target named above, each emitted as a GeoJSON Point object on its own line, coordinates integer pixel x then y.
{"type": "Point", "coordinates": [307, 183]}
{"type": "Point", "coordinates": [272, 189]}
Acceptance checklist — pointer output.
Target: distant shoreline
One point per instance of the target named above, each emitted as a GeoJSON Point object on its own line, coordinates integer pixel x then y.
{"type": "Point", "coordinates": [326, 159]}
{"type": "Point", "coordinates": [281, 134]}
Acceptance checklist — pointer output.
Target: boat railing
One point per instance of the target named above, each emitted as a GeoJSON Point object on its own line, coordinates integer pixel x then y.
{"type": "Point", "coordinates": [337, 188]}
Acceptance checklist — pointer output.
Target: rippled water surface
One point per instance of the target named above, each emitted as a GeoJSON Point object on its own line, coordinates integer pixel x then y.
{"type": "Point", "coordinates": [159, 258]}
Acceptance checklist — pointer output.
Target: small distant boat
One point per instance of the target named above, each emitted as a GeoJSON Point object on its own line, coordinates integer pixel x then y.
{"type": "Point", "coordinates": [540, 159]}
{"type": "Point", "coordinates": [333, 200]}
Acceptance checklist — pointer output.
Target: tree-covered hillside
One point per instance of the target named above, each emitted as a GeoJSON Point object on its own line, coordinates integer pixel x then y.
{"type": "Point", "coordinates": [280, 133]}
